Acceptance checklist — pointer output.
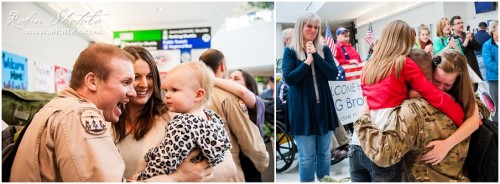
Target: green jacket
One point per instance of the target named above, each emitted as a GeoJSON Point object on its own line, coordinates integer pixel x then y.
{"type": "Point", "coordinates": [440, 44]}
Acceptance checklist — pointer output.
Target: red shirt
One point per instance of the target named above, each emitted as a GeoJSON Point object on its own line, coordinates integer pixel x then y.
{"type": "Point", "coordinates": [391, 92]}
{"type": "Point", "coordinates": [351, 52]}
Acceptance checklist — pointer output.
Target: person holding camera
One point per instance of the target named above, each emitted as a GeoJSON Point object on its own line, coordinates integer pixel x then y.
{"type": "Point", "coordinates": [467, 42]}
{"type": "Point", "coordinates": [445, 39]}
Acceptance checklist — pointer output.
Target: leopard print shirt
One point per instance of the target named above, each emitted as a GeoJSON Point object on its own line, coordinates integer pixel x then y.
{"type": "Point", "coordinates": [184, 133]}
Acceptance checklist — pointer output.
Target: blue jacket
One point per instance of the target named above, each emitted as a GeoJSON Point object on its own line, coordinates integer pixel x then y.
{"type": "Point", "coordinates": [490, 58]}
{"type": "Point", "coordinates": [305, 115]}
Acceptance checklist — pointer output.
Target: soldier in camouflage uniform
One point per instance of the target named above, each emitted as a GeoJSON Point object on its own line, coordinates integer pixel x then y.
{"type": "Point", "coordinates": [411, 126]}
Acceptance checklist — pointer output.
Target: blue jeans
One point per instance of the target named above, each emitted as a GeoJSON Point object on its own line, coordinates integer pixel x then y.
{"type": "Point", "coordinates": [314, 156]}
{"type": "Point", "coordinates": [362, 169]}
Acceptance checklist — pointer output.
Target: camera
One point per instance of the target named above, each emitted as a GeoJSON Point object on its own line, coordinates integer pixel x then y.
{"type": "Point", "coordinates": [452, 36]}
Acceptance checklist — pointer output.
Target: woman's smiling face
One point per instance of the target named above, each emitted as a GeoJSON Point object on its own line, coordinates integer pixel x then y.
{"type": "Point", "coordinates": [143, 82]}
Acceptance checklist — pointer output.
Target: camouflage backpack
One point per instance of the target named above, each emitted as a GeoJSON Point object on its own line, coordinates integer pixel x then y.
{"type": "Point", "coordinates": [19, 106]}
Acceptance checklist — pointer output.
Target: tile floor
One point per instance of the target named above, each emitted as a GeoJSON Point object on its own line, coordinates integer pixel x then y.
{"type": "Point", "coordinates": [337, 171]}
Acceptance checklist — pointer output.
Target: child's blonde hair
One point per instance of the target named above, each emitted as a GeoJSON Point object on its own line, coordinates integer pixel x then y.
{"type": "Point", "coordinates": [389, 55]}
{"type": "Point", "coordinates": [203, 75]}
{"type": "Point", "coordinates": [423, 27]}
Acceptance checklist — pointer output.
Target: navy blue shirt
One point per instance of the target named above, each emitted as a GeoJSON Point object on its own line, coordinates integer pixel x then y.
{"type": "Point", "coordinates": [481, 36]}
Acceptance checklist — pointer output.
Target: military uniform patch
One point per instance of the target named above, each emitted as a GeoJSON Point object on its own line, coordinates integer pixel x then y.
{"type": "Point", "coordinates": [92, 122]}
{"type": "Point", "coordinates": [243, 106]}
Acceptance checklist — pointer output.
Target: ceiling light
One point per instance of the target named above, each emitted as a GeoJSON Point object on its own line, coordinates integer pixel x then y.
{"type": "Point", "coordinates": [159, 9]}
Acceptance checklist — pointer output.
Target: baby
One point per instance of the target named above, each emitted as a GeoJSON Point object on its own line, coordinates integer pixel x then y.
{"type": "Point", "coordinates": [188, 86]}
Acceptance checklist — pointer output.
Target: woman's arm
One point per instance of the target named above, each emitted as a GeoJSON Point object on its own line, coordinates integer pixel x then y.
{"type": "Point", "coordinates": [188, 171]}
{"type": "Point", "coordinates": [439, 99]}
{"type": "Point", "coordinates": [442, 147]}
{"type": "Point", "coordinates": [241, 91]}
{"type": "Point", "coordinates": [327, 65]}
{"type": "Point", "coordinates": [293, 71]}
{"type": "Point", "coordinates": [224, 170]}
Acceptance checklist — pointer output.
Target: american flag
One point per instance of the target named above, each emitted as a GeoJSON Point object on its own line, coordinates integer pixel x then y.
{"type": "Point", "coordinates": [353, 71]}
{"type": "Point", "coordinates": [369, 35]}
{"type": "Point", "coordinates": [329, 39]}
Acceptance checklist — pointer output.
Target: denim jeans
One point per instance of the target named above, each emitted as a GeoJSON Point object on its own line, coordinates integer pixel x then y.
{"type": "Point", "coordinates": [362, 169]}
{"type": "Point", "coordinates": [314, 156]}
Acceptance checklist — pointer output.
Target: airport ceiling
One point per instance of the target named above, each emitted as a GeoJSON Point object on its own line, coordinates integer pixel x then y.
{"type": "Point", "coordinates": [336, 13]}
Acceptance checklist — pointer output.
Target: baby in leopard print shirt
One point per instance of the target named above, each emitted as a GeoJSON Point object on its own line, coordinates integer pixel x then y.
{"type": "Point", "coordinates": [188, 87]}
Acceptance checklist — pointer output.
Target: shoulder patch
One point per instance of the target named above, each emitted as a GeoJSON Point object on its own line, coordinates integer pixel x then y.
{"type": "Point", "coordinates": [243, 106]}
{"type": "Point", "coordinates": [92, 122]}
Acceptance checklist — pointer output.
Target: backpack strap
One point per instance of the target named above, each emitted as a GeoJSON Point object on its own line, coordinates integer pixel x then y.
{"type": "Point", "coordinates": [345, 53]}
{"type": "Point", "coordinates": [8, 160]}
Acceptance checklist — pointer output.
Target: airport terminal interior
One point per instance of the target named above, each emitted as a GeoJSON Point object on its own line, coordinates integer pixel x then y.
{"type": "Point", "coordinates": [302, 91]}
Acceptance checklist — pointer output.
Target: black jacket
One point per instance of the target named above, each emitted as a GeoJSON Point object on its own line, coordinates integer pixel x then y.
{"type": "Point", "coordinates": [472, 46]}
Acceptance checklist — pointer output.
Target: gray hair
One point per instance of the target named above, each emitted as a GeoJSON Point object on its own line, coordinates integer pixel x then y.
{"type": "Point", "coordinates": [494, 25]}
{"type": "Point", "coordinates": [286, 33]}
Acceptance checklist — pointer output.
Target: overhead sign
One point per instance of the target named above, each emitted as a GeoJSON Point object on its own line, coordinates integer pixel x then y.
{"type": "Point", "coordinates": [142, 35]}
{"type": "Point", "coordinates": [14, 71]}
{"type": "Point", "coordinates": [148, 45]}
{"type": "Point", "coordinates": [149, 39]}
{"type": "Point", "coordinates": [186, 38]}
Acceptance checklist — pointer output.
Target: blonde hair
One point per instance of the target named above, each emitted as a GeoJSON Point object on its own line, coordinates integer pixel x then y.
{"type": "Point", "coordinates": [453, 62]}
{"type": "Point", "coordinates": [440, 26]}
{"type": "Point", "coordinates": [201, 74]}
{"type": "Point", "coordinates": [494, 25]}
{"type": "Point", "coordinates": [297, 44]}
{"type": "Point", "coordinates": [394, 45]}
{"type": "Point", "coordinates": [423, 27]}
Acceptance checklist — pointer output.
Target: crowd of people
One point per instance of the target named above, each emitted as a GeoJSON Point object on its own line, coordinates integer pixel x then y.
{"type": "Point", "coordinates": [420, 106]}
{"type": "Point", "coordinates": [118, 121]}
